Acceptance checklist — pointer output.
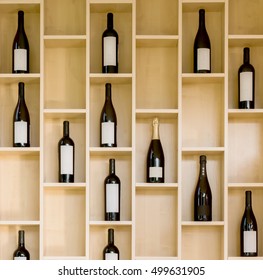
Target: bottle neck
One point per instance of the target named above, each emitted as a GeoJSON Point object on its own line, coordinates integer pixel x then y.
{"type": "Point", "coordinates": [202, 166]}
{"type": "Point", "coordinates": [21, 238]}
{"type": "Point", "coordinates": [155, 134]}
{"type": "Point", "coordinates": [21, 94]}
{"type": "Point", "coordinates": [201, 18]}
{"type": "Point", "coordinates": [110, 21]}
{"type": "Point", "coordinates": [111, 236]}
{"type": "Point", "coordinates": [246, 55]}
{"type": "Point", "coordinates": [112, 166]}
{"type": "Point", "coordinates": [248, 199]}
{"type": "Point", "coordinates": [108, 92]}
{"type": "Point", "coordinates": [21, 20]}
{"type": "Point", "coordinates": [66, 129]}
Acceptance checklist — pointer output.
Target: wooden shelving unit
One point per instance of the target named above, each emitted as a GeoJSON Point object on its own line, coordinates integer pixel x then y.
{"type": "Point", "coordinates": [198, 114]}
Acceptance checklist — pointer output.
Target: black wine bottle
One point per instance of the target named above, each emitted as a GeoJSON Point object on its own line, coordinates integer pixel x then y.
{"type": "Point", "coordinates": [20, 55]}
{"type": "Point", "coordinates": [21, 121]}
{"type": "Point", "coordinates": [111, 252]}
{"type": "Point", "coordinates": [248, 230]}
{"type": "Point", "coordinates": [110, 45]}
{"type": "Point", "coordinates": [155, 157]}
{"type": "Point", "coordinates": [108, 121]}
{"type": "Point", "coordinates": [21, 253]}
{"type": "Point", "coordinates": [66, 155]}
{"type": "Point", "coordinates": [202, 47]}
{"type": "Point", "coordinates": [246, 83]}
{"type": "Point", "coordinates": [203, 195]}
{"type": "Point", "coordinates": [112, 187]}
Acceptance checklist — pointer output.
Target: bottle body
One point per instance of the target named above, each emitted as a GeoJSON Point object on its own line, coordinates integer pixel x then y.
{"type": "Point", "coordinates": [155, 157]}
{"type": "Point", "coordinates": [203, 195]}
{"type": "Point", "coordinates": [202, 47]}
{"type": "Point", "coordinates": [108, 121]}
{"type": "Point", "coordinates": [246, 83]}
{"type": "Point", "coordinates": [21, 120]}
{"type": "Point", "coordinates": [21, 253]}
{"type": "Point", "coordinates": [20, 53]}
{"type": "Point", "coordinates": [111, 252]}
{"type": "Point", "coordinates": [112, 192]}
{"type": "Point", "coordinates": [110, 47]}
{"type": "Point", "coordinates": [248, 230]}
{"type": "Point", "coordinates": [66, 156]}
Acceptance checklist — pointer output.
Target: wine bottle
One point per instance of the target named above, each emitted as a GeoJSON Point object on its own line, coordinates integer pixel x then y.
{"type": "Point", "coordinates": [21, 253]}
{"type": "Point", "coordinates": [155, 157]}
{"type": "Point", "coordinates": [66, 152]}
{"type": "Point", "coordinates": [20, 55]}
{"type": "Point", "coordinates": [202, 47]}
{"type": "Point", "coordinates": [111, 252]}
{"type": "Point", "coordinates": [108, 121]}
{"type": "Point", "coordinates": [248, 230]}
{"type": "Point", "coordinates": [246, 83]}
{"type": "Point", "coordinates": [203, 195]}
{"type": "Point", "coordinates": [112, 187]}
{"type": "Point", "coordinates": [21, 120]}
{"type": "Point", "coordinates": [110, 45]}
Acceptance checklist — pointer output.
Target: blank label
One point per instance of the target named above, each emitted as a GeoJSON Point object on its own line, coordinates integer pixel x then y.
{"type": "Point", "coordinates": [203, 59]}
{"type": "Point", "coordinates": [246, 86]}
{"type": "Point", "coordinates": [66, 157]}
{"type": "Point", "coordinates": [112, 198]}
{"type": "Point", "coordinates": [156, 172]}
{"type": "Point", "coordinates": [21, 132]}
{"type": "Point", "coordinates": [107, 132]}
{"type": "Point", "coordinates": [20, 59]}
{"type": "Point", "coordinates": [250, 241]}
{"type": "Point", "coordinates": [111, 256]}
{"type": "Point", "coordinates": [110, 51]}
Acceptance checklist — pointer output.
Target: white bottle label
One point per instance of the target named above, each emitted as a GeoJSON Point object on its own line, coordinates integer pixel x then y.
{"type": "Point", "coordinates": [203, 59]}
{"type": "Point", "coordinates": [246, 86]}
{"type": "Point", "coordinates": [20, 258]}
{"type": "Point", "coordinates": [110, 51]}
{"type": "Point", "coordinates": [112, 198]}
{"type": "Point", "coordinates": [20, 59]}
{"type": "Point", "coordinates": [21, 132]}
{"type": "Point", "coordinates": [250, 241]}
{"type": "Point", "coordinates": [107, 132]}
{"type": "Point", "coordinates": [156, 172]}
{"type": "Point", "coordinates": [66, 159]}
{"type": "Point", "coordinates": [111, 256]}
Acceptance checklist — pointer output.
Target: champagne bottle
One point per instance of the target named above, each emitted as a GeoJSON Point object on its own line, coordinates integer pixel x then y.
{"type": "Point", "coordinates": [20, 55]}
{"type": "Point", "coordinates": [21, 121]}
{"type": "Point", "coordinates": [112, 187]}
{"type": "Point", "coordinates": [110, 45]}
{"type": "Point", "coordinates": [111, 252]}
{"type": "Point", "coordinates": [246, 83]}
{"type": "Point", "coordinates": [21, 253]}
{"type": "Point", "coordinates": [155, 157]}
{"type": "Point", "coordinates": [249, 230]}
{"type": "Point", "coordinates": [203, 195]}
{"type": "Point", "coordinates": [108, 121]}
{"type": "Point", "coordinates": [202, 47]}
{"type": "Point", "coordinates": [66, 152]}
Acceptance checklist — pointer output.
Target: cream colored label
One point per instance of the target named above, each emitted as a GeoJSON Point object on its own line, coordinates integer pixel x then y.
{"type": "Point", "coordinates": [21, 132]}
{"type": "Point", "coordinates": [20, 258]}
{"type": "Point", "coordinates": [110, 51]}
{"type": "Point", "coordinates": [107, 132]}
{"type": "Point", "coordinates": [66, 157]}
{"type": "Point", "coordinates": [111, 256]}
{"type": "Point", "coordinates": [246, 86]}
{"type": "Point", "coordinates": [203, 59]}
{"type": "Point", "coordinates": [156, 172]}
{"type": "Point", "coordinates": [20, 59]}
{"type": "Point", "coordinates": [112, 198]}
{"type": "Point", "coordinates": [250, 241]}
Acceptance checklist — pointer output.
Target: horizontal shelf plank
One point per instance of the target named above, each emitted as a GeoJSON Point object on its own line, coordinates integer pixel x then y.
{"type": "Point", "coordinates": [19, 223]}
{"type": "Point", "coordinates": [245, 258]}
{"type": "Point", "coordinates": [115, 6]}
{"type": "Point", "coordinates": [65, 113]}
{"type": "Point", "coordinates": [57, 185]}
{"type": "Point", "coordinates": [155, 258]}
{"type": "Point", "coordinates": [110, 223]}
{"type": "Point", "coordinates": [245, 113]}
{"type": "Point", "coordinates": [154, 41]}
{"type": "Point", "coordinates": [244, 185]}
{"type": "Point", "coordinates": [33, 78]}
{"type": "Point", "coordinates": [202, 224]}
{"type": "Point", "coordinates": [70, 258]}
{"type": "Point", "coordinates": [120, 78]}
{"type": "Point", "coordinates": [162, 113]}
{"type": "Point", "coordinates": [65, 41]}
{"type": "Point", "coordinates": [118, 151]}
{"type": "Point", "coordinates": [199, 78]}
{"type": "Point", "coordinates": [245, 40]}
{"type": "Point", "coordinates": [195, 150]}
{"type": "Point", "coordinates": [159, 186]}
{"type": "Point", "coordinates": [32, 6]}
{"type": "Point", "coordinates": [20, 150]}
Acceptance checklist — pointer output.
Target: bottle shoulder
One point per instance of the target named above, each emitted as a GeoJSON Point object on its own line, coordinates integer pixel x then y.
{"type": "Point", "coordinates": [110, 33]}
{"type": "Point", "coordinates": [112, 179]}
{"type": "Point", "coordinates": [246, 67]}
{"type": "Point", "coordinates": [66, 141]}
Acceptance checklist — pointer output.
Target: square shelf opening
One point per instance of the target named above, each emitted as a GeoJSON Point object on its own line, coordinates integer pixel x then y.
{"type": "Point", "coordinates": [99, 170]}
{"type": "Point", "coordinates": [156, 223]}
{"type": "Point", "coordinates": [236, 208]}
{"type": "Point", "coordinates": [215, 174]}
{"type": "Point", "coordinates": [66, 225]}
{"type": "Point", "coordinates": [99, 240]}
